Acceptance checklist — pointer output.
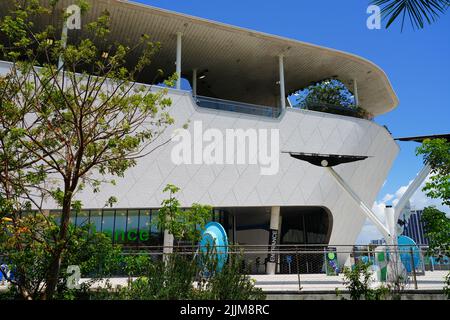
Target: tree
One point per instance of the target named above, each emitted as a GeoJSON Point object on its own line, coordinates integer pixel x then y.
{"type": "Point", "coordinates": [358, 281]}
{"type": "Point", "coordinates": [418, 11]}
{"type": "Point", "coordinates": [330, 91]}
{"type": "Point", "coordinates": [436, 154]}
{"type": "Point", "coordinates": [437, 230]}
{"type": "Point", "coordinates": [330, 96]}
{"type": "Point", "coordinates": [65, 127]}
{"type": "Point", "coordinates": [183, 224]}
{"type": "Point", "coordinates": [35, 235]}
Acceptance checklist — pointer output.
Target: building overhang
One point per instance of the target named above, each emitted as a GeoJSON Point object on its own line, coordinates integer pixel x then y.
{"type": "Point", "coordinates": [234, 63]}
{"type": "Point", "coordinates": [420, 139]}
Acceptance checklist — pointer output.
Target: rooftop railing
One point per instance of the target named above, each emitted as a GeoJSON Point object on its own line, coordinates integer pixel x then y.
{"type": "Point", "coordinates": [234, 106]}
{"type": "Point", "coordinates": [350, 111]}
{"type": "Point", "coordinates": [272, 112]}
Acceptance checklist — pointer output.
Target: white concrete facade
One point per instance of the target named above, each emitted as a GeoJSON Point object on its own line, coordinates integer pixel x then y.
{"type": "Point", "coordinates": [245, 70]}
{"type": "Point", "coordinates": [296, 184]}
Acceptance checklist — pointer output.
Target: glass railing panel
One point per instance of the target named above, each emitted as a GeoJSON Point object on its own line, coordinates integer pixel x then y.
{"type": "Point", "coordinates": [234, 106]}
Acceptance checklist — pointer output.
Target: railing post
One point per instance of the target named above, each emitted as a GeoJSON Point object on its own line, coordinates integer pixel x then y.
{"type": "Point", "coordinates": [413, 267]}
{"type": "Point", "coordinates": [282, 85]}
{"type": "Point", "coordinates": [298, 269]}
{"type": "Point", "coordinates": [194, 83]}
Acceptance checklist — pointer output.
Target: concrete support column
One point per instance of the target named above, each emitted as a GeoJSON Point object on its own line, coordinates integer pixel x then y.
{"type": "Point", "coordinates": [273, 239]}
{"type": "Point", "coordinates": [282, 85]}
{"type": "Point", "coordinates": [395, 267]}
{"type": "Point", "coordinates": [178, 62]}
{"type": "Point", "coordinates": [390, 223]}
{"type": "Point", "coordinates": [194, 82]}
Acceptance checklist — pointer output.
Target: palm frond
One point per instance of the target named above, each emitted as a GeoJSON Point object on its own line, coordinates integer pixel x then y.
{"type": "Point", "coordinates": [418, 11]}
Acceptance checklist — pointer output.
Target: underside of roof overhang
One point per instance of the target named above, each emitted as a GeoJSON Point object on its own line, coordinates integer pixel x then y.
{"type": "Point", "coordinates": [239, 64]}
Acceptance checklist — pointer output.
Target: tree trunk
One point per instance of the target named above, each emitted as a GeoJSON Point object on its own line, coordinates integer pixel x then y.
{"type": "Point", "coordinates": [55, 266]}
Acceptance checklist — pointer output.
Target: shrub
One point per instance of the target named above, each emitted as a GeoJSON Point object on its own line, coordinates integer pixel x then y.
{"type": "Point", "coordinates": [178, 277]}
{"type": "Point", "coordinates": [358, 282]}
{"type": "Point", "coordinates": [447, 286]}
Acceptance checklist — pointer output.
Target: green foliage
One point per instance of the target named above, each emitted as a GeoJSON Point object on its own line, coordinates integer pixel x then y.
{"type": "Point", "coordinates": [177, 278]}
{"type": "Point", "coordinates": [330, 96]}
{"type": "Point", "coordinates": [447, 286]}
{"type": "Point", "coordinates": [171, 279]}
{"type": "Point", "coordinates": [135, 265]}
{"type": "Point", "coordinates": [28, 244]}
{"type": "Point", "coordinates": [437, 230]}
{"type": "Point", "coordinates": [230, 284]}
{"type": "Point", "coordinates": [436, 153]}
{"type": "Point", "coordinates": [183, 224]}
{"type": "Point", "coordinates": [65, 128]}
{"type": "Point", "coordinates": [418, 11]}
{"type": "Point", "coordinates": [358, 282]}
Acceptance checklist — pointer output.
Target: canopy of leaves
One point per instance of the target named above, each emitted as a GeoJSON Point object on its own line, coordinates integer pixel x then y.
{"type": "Point", "coordinates": [332, 92]}
{"type": "Point", "coordinates": [183, 224]}
{"type": "Point", "coordinates": [65, 126]}
{"type": "Point", "coordinates": [27, 245]}
{"type": "Point", "coordinates": [436, 153]}
{"type": "Point", "coordinates": [87, 116]}
{"type": "Point", "coordinates": [437, 229]}
{"type": "Point", "coordinates": [416, 11]}
{"type": "Point", "coordinates": [330, 96]}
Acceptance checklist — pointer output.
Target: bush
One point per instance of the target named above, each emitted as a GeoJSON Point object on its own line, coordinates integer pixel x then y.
{"type": "Point", "coordinates": [230, 284]}
{"type": "Point", "coordinates": [178, 278]}
{"type": "Point", "coordinates": [28, 243]}
{"type": "Point", "coordinates": [447, 286]}
{"type": "Point", "coordinates": [358, 282]}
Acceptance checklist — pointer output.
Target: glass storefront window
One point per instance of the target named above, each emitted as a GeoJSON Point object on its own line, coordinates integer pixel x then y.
{"type": "Point", "coordinates": [154, 230]}
{"type": "Point", "coordinates": [120, 228]}
{"type": "Point", "coordinates": [56, 215]}
{"type": "Point", "coordinates": [73, 217]}
{"type": "Point", "coordinates": [108, 222]}
{"type": "Point", "coordinates": [132, 227]}
{"type": "Point", "coordinates": [96, 220]}
{"type": "Point", "coordinates": [144, 227]}
{"type": "Point", "coordinates": [82, 218]}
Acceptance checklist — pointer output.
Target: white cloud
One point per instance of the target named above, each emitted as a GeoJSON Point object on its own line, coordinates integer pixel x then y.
{"type": "Point", "coordinates": [418, 201]}
{"type": "Point", "coordinates": [387, 197]}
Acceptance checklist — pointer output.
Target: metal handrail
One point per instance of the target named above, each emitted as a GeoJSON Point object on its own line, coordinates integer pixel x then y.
{"type": "Point", "coordinates": [235, 106]}
{"type": "Point", "coordinates": [350, 111]}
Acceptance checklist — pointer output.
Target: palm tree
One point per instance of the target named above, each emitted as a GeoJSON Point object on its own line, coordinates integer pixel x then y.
{"type": "Point", "coordinates": [418, 11]}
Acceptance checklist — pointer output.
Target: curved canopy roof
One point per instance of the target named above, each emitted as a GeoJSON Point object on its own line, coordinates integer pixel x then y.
{"type": "Point", "coordinates": [241, 64]}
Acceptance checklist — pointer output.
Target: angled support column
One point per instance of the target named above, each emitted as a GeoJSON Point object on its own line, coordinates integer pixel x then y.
{"type": "Point", "coordinates": [178, 62]}
{"type": "Point", "coordinates": [365, 209]}
{"type": "Point", "coordinates": [423, 174]}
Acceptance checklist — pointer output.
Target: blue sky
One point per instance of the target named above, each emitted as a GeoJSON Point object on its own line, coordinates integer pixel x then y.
{"type": "Point", "coordinates": [416, 62]}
